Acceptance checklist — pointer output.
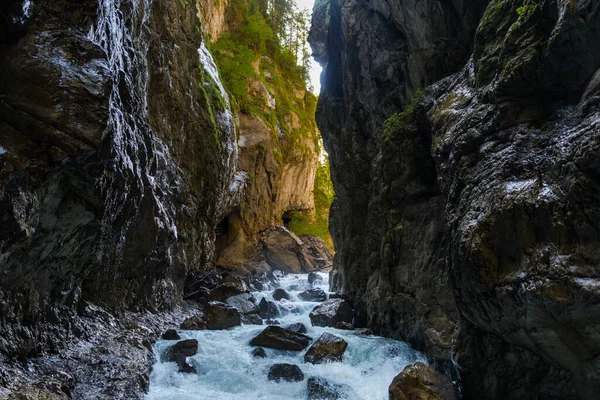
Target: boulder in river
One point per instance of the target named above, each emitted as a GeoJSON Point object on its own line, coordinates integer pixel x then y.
{"type": "Point", "coordinates": [226, 290]}
{"type": "Point", "coordinates": [328, 348]}
{"type": "Point", "coordinates": [267, 309]}
{"type": "Point", "coordinates": [222, 316]}
{"type": "Point", "coordinates": [279, 294]}
{"type": "Point", "coordinates": [179, 353]}
{"type": "Point", "coordinates": [285, 372]}
{"type": "Point", "coordinates": [252, 319]}
{"type": "Point", "coordinates": [259, 352]}
{"type": "Point", "coordinates": [170, 334]}
{"type": "Point", "coordinates": [297, 327]}
{"type": "Point", "coordinates": [313, 295]}
{"type": "Point", "coordinates": [421, 382]}
{"type": "Point", "coordinates": [321, 389]}
{"type": "Point", "coordinates": [195, 323]}
{"type": "Point", "coordinates": [331, 312]}
{"type": "Point", "coordinates": [313, 278]}
{"type": "Point", "coordinates": [276, 337]}
{"type": "Point", "coordinates": [344, 325]}
{"type": "Point", "coordinates": [244, 303]}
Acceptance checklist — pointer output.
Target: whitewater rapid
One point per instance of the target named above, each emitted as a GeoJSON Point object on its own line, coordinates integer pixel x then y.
{"type": "Point", "coordinates": [226, 369]}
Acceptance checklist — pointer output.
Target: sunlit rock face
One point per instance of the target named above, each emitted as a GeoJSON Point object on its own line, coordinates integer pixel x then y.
{"type": "Point", "coordinates": [115, 167]}
{"type": "Point", "coordinates": [470, 225]}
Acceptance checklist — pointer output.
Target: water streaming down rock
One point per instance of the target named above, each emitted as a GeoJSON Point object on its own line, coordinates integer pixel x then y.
{"type": "Point", "coordinates": [227, 370]}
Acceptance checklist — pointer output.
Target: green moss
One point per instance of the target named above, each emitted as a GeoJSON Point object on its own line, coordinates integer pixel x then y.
{"type": "Point", "coordinates": [182, 2]}
{"type": "Point", "coordinates": [402, 121]}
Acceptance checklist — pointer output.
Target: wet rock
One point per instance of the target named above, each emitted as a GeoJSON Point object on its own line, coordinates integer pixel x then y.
{"type": "Point", "coordinates": [331, 312]}
{"type": "Point", "coordinates": [170, 334]}
{"type": "Point", "coordinates": [285, 372]}
{"type": "Point", "coordinates": [252, 319]}
{"type": "Point", "coordinates": [297, 327]}
{"type": "Point", "coordinates": [316, 294]}
{"type": "Point", "coordinates": [267, 309]}
{"type": "Point", "coordinates": [366, 332]}
{"type": "Point", "coordinates": [259, 352]}
{"type": "Point", "coordinates": [226, 290]}
{"type": "Point", "coordinates": [180, 351]}
{"type": "Point", "coordinates": [222, 316]}
{"type": "Point", "coordinates": [321, 389]}
{"type": "Point", "coordinates": [328, 348]}
{"type": "Point", "coordinates": [344, 325]}
{"type": "Point", "coordinates": [271, 321]}
{"type": "Point", "coordinates": [287, 307]}
{"type": "Point", "coordinates": [283, 250]}
{"type": "Point", "coordinates": [275, 337]}
{"type": "Point", "coordinates": [279, 294]}
{"type": "Point", "coordinates": [195, 323]}
{"type": "Point", "coordinates": [421, 382]}
{"type": "Point", "coordinates": [314, 278]}
{"type": "Point", "coordinates": [244, 303]}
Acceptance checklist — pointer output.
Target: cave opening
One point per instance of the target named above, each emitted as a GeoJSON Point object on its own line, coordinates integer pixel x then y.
{"type": "Point", "coordinates": [286, 218]}
{"type": "Point", "coordinates": [222, 234]}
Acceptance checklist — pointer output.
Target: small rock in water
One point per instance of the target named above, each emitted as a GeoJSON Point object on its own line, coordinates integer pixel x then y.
{"type": "Point", "coordinates": [297, 327]}
{"type": "Point", "coordinates": [259, 352]}
{"type": "Point", "coordinates": [222, 316]}
{"type": "Point", "coordinates": [313, 278]}
{"type": "Point", "coordinates": [195, 323]}
{"type": "Point", "coordinates": [321, 389]}
{"type": "Point", "coordinates": [279, 294]}
{"type": "Point", "coordinates": [285, 372]}
{"type": "Point", "coordinates": [275, 337]}
{"type": "Point", "coordinates": [267, 309]}
{"type": "Point", "coordinates": [328, 348]}
{"type": "Point", "coordinates": [313, 295]}
{"type": "Point", "coordinates": [179, 353]}
{"type": "Point", "coordinates": [331, 312]}
{"type": "Point", "coordinates": [419, 381]}
{"type": "Point", "coordinates": [272, 321]}
{"type": "Point", "coordinates": [226, 290]}
{"type": "Point", "coordinates": [252, 319]}
{"type": "Point", "coordinates": [244, 303]}
{"type": "Point", "coordinates": [366, 332]}
{"type": "Point", "coordinates": [344, 325]}
{"type": "Point", "coordinates": [171, 334]}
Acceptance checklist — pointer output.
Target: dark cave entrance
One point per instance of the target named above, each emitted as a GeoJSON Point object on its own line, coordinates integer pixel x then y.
{"type": "Point", "coordinates": [286, 218]}
{"type": "Point", "coordinates": [222, 235]}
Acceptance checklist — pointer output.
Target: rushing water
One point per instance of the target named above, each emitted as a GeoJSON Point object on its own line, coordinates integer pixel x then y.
{"type": "Point", "coordinates": [226, 370]}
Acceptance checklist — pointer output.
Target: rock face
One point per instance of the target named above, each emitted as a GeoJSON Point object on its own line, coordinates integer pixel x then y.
{"type": "Point", "coordinates": [275, 337]}
{"type": "Point", "coordinates": [331, 312]}
{"type": "Point", "coordinates": [285, 372]}
{"type": "Point", "coordinates": [222, 316]}
{"type": "Point", "coordinates": [420, 382]}
{"type": "Point", "coordinates": [327, 348]}
{"type": "Point", "coordinates": [485, 176]}
{"type": "Point", "coordinates": [116, 167]}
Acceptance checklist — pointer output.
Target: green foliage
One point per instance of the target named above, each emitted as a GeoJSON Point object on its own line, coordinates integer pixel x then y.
{"type": "Point", "coordinates": [403, 120]}
{"type": "Point", "coordinates": [303, 223]}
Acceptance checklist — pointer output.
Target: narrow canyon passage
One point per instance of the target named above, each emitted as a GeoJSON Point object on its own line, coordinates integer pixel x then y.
{"type": "Point", "coordinates": [226, 368]}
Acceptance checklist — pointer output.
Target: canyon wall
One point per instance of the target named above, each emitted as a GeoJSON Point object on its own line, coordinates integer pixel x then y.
{"type": "Point", "coordinates": [120, 155]}
{"type": "Point", "coordinates": [469, 133]}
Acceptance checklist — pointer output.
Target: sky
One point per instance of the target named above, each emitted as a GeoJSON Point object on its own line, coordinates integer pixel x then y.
{"type": "Point", "coordinates": [315, 70]}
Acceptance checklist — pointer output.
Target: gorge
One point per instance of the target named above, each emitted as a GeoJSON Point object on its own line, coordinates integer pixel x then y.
{"type": "Point", "coordinates": [158, 157]}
